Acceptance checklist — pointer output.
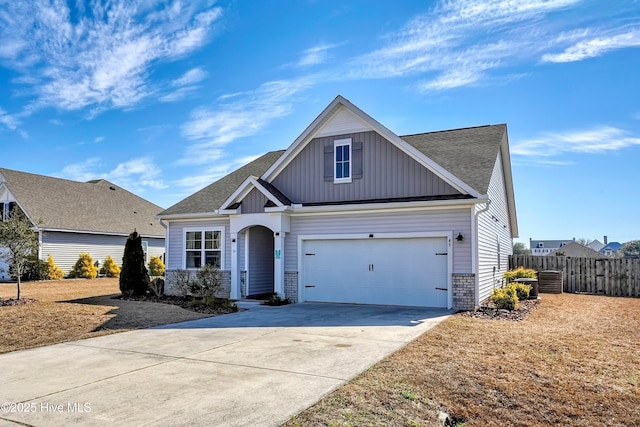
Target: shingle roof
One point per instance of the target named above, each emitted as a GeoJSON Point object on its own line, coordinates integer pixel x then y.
{"type": "Point", "coordinates": [214, 195]}
{"type": "Point", "coordinates": [469, 153]}
{"type": "Point", "coordinates": [97, 206]}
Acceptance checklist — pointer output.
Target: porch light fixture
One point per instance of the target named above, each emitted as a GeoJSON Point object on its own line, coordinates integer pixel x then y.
{"type": "Point", "coordinates": [460, 237]}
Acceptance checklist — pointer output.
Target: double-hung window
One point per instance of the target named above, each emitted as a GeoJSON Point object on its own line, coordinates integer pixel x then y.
{"type": "Point", "coordinates": [342, 157]}
{"type": "Point", "coordinates": [203, 247]}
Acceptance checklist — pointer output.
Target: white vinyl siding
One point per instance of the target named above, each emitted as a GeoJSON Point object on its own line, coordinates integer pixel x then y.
{"type": "Point", "coordinates": [176, 244]}
{"type": "Point", "coordinates": [494, 230]}
{"type": "Point", "coordinates": [453, 220]}
{"type": "Point", "coordinates": [65, 248]}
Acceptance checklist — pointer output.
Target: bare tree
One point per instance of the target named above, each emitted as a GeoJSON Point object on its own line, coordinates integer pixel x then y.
{"type": "Point", "coordinates": [18, 241]}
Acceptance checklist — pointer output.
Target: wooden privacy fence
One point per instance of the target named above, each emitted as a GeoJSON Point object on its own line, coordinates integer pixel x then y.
{"type": "Point", "coordinates": [606, 276]}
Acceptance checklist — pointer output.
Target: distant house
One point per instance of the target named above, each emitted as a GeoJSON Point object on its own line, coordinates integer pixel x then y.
{"type": "Point", "coordinates": [611, 248]}
{"type": "Point", "coordinates": [596, 245]}
{"type": "Point", "coordinates": [546, 247]}
{"type": "Point", "coordinates": [576, 250]}
{"type": "Point", "coordinates": [351, 212]}
{"type": "Point", "coordinates": [73, 217]}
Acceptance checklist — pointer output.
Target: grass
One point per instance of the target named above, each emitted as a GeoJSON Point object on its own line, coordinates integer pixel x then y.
{"type": "Point", "coordinates": [74, 309]}
{"type": "Point", "coordinates": [572, 362]}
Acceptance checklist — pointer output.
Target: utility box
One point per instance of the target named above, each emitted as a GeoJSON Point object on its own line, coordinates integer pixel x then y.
{"type": "Point", "coordinates": [550, 281]}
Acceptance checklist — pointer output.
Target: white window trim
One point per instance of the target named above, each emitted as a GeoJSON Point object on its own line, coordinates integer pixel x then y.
{"type": "Point", "coordinates": [146, 252]}
{"type": "Point", "coordinates": [339, 143]}
{"type": "Point", "coordinates": [202, 230]}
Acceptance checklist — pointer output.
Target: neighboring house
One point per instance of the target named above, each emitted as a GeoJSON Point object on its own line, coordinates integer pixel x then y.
{"type": "Point", "coordinates": [611, 248]}
{"type": "Point", "coordinates": [71, 217]}
{"type": "Point", "coordinates": [353, 213]}
{"type": "Point", "coordinates": [596, 245]}
{"type": "Point", "coordinates": [577, 250]}
{"type": "Point", "coordinates": [546, 247]}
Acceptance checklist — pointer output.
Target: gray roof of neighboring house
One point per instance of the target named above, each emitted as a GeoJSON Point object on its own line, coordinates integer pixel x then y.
{"type": "Point", "coordinates": [214, 195]}
{"type": "Point", "coordinates": [575, 249]}
{"type": "Point", "coordinates": [95, 206]}
{"type": "Point", "coordinates": [469, 153]}
{"type": "Point", "coordinates": [548, 244]}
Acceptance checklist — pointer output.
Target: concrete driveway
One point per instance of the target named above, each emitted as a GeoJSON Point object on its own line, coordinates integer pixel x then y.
{"type": "Point", "coordinates": [257, 367]}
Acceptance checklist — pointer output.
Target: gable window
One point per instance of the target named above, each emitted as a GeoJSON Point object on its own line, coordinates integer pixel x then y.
{"type": "Point", "coordinates": [203, 246]}
{"type": "Point", "coordinates": [5, 210]}
{"type": "Point", "coordinates": [342, 156]}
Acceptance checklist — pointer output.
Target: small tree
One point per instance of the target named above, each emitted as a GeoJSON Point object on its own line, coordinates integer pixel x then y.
{"type": "Point", "coordinates": [19, 243]}
{"type": "Point", "coordinates": [110, 268]}
{"type": "Point", "coordinates": [156, 266]}
{"type": "Point", "coordinates": [520, 249]}
{"type": "Point", "coordinates": [134, 278]}
{"type": "Point", "coordinates": [53, 271]}
{"type": "Point", "coordinates": [84, 267]}
{"type": "Point", "coordinates": [630, 249]}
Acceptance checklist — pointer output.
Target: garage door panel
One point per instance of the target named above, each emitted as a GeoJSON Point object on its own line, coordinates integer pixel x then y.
{"type": "Point", "coordinates": [380, 271]}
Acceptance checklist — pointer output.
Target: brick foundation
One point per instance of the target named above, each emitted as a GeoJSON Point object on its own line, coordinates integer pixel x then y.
{"type": "Point", "coordinates": [243, 283]}
{"type": "Point", "coordinates": [291, 285]}
{"type": "Point", "coordinates": [464, 291]}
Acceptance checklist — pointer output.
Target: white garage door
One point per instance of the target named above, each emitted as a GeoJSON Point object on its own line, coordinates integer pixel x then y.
{"type": "Point", "coordinates": [407, 271]}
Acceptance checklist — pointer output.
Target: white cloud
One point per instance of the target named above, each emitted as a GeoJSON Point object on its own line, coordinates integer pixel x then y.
{"type": "Point", "coordinates": [597, 46]}
{"type": "Point", "coordinates": [135, 175]}
{"type": "Point", "coordinates": [192, 76]}
{"type": "Point", "coordinates": [315, 55]}
{"type": "Point", "coordinates": [98, 139]}
{"type": "Point", "coordinates": [213, 127]}
{"type": "Point", "coordinates": [98, 58]}
{"type": "Point", "coordinates": [8, 120]}
{"type": "Point", "coordinates": [457, 43]}
{"type": "Point", "coordinates": [56, 122]}
{"type": "Point", "coordinates": [597, 140]}
{"type": "Point", "coordinates": [193, 183]}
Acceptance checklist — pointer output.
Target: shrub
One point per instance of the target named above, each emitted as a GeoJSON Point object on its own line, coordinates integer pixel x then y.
{"type": "Point", "coordinates": [53, 271]}
{"type": "Point", "coordinates": [157, 286]}
{"type": "Point", "coordinates": [110, 268]}
{"type": "Point", "coordinates": [33, 269]}
{"type": "Point", "coordinates": [84, 267]}
{"type": "Point", "coordinates": [505, 298]}
{"type": "Point", "coordinates": [518, 273]}
{"type": "Point", "coordinates": [134, 278]}
{"type": "Point", "coordinates": [156, 266]}
{"type": "Point", "coordinates": [206, 283]}
{"type": "Point", "coordinates": [275, 300]}
{"type": "Point", "coordinates": [522, 290]}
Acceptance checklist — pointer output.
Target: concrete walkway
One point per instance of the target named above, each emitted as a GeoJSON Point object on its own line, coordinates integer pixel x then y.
{"type": "Point", "coordinates": [257, 367]}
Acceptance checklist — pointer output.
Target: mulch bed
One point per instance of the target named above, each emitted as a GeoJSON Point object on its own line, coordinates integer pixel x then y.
{"type": "Point", "coordinates": [488, 311]}
{"type": "Point", "coordinates": [21, 301]}
{"type": "Point", "coordinates": [185, 302]}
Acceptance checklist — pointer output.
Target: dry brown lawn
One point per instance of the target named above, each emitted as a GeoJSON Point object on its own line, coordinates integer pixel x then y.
{"type": "Point", "coordinates": [574, 361]}
{"type": "Point", "coordinates": [74, 309]}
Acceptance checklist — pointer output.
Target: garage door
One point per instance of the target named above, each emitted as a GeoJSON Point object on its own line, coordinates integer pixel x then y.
{"type": "Point", "coordinates": [411, 271]}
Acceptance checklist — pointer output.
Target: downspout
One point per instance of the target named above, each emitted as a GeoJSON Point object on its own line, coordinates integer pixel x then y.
{"type": "Point", "coordinates": [474, 258]}
{"type": "Point", "coordinates": [166, 240]}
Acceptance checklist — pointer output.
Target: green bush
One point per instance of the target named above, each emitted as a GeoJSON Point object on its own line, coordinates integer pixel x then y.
{"type": "Point", "coordinates": [110, 268]}
{"type": "Point", "coordinates": [33, 269]}
{"type": "Point", "coordinates": [84, 267]}
{"type": "Point", "coordinates": [275, 300]}
{"type": "Point", "coordinates": [53, 271]}
{"type": "Point", "coordinates": [134, 278]}
{"type": "Point", "coordinates": [522, 290]}
{"type": "Point", "coordinates": [505, 298]}
{"type": "Point", "coordinates": [518, 273]}
{"type": "Point", "coordinates": [156, 266]}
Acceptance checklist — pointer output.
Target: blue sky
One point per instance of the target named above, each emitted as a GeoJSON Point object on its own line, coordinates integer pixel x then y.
{"type": "Point", "coordinates": [165, 97]}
